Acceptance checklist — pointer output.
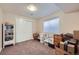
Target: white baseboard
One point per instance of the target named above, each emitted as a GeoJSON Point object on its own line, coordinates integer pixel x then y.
{"type": "Point", "coordinates": [22, 41]}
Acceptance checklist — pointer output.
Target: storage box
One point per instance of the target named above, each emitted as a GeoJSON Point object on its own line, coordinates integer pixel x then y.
{"type": "Point", "coordinates": [78, 50]}
{"type": "Point", "coordinates": [76, 35]}
{"type": "Point", "coordinates": [71, 49]}
{"type": "Point", "coordinates": [62, 45]}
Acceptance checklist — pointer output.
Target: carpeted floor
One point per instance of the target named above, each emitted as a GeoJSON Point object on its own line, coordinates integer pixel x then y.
{"type": "Point", "coordinates": [31, 47]}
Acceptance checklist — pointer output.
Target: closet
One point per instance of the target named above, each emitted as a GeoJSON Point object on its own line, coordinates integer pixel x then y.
{"type": "Point", "coordinates": [23, 30]}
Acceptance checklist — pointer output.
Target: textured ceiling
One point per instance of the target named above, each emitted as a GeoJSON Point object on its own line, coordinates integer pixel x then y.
{"type": "Point", "coordinates": [44, 9]}
{"type": "Point", "coordinates": [68, 7]}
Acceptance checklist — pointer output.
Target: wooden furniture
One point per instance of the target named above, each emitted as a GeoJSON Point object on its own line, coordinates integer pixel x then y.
{"type": "Point", "coordinates": [57, 39]}
{"type": "Point", "coordinates": [60, 51]}
{"type": "Point", "coordinates": [76, 37]}
{"type": "Point", "coordinates": [78, 49]}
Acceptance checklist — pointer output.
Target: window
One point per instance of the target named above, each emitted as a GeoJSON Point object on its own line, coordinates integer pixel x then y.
{"type": "Point", "coordinates": [51, 25]}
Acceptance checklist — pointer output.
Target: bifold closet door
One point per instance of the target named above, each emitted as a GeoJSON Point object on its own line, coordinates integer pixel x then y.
{"type": "Point", "coordinates": [23, 30]}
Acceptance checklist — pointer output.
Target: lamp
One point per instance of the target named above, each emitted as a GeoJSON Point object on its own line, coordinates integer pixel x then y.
{"type": "Point", "coordinates": [31, 7]}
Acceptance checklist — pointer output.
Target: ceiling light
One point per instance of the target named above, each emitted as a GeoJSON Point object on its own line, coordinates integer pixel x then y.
{"type": "Point", "coordinates": [31, 7]}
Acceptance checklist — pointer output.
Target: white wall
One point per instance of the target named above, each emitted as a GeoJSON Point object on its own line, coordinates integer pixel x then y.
{"type": "Point", "coordinates": [17, 20]}
{"type": "Point", "coordinates": [4, 17]}
{"type": "Point", "coordinates": [40, 21]}
{"type": "Point", "coordinates": [68, 22]}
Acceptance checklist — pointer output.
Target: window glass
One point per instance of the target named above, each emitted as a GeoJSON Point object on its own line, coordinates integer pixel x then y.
{"type": "Point", "coordinates": [51, 25]}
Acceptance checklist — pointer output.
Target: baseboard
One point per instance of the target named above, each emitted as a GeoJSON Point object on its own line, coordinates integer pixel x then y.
{"type": "Point", "coordinates": [23, 41]}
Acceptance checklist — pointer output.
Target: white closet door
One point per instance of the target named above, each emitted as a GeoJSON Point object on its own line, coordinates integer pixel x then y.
{"type": "Point", "coordinates": [23, 30]}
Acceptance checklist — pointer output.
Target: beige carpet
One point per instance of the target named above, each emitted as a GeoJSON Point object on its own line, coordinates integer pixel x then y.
{"type": "Point", "coordinates": [31, 47]}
